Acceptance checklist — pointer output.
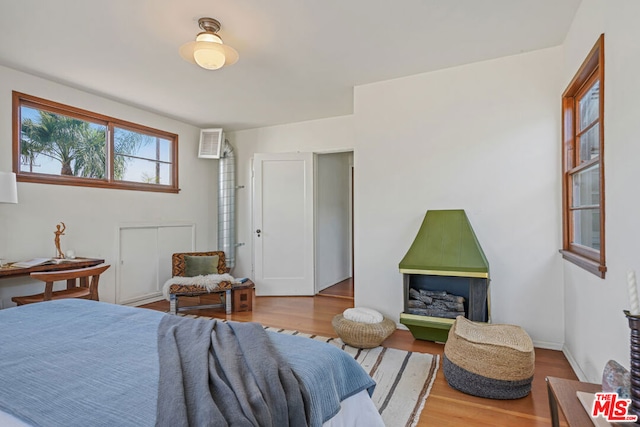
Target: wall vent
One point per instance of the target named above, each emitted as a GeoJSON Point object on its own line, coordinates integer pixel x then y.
{"type": "Point", "coordinates": [210, 143]}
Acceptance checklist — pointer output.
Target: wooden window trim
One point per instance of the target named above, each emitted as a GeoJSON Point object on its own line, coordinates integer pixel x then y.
{"type": "Point", "coordinates": [22, 99]}
{"type": "Point", "coordinates": [591, 69]}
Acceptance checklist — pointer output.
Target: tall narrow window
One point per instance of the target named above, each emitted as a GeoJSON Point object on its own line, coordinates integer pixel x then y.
{"type": "Point", "coordinates": [583, 165]}
{"type": "Point", "coordinates": [59, 144]}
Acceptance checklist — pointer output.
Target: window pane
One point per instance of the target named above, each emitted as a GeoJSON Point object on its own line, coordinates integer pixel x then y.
{"type": "Point", "coordinates": [590, 106]}
{"type": "Point", "coordinates": [144, 171]}
{"type": "Point", "coordinates": [586, 187]}
{"type": "Point", "coordinates": [53, 140]}
{"type": "Point", "coordinates": [583, 191]}
{"type": "Point", "coordinates": [141, 158]}
{"type": "Point", "coordinates": [590, 144]}
{"type": "Point", "coordinates": [56, 144]}
{"type": "Point", "coordinates": [586, 228]}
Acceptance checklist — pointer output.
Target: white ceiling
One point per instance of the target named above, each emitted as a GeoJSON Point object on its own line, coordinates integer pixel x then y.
{"type": "Point", "coordinates": [299, 59]}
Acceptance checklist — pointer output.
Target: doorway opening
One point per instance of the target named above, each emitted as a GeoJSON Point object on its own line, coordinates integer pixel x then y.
{"type": "Point", "coordinates": [334, 224]}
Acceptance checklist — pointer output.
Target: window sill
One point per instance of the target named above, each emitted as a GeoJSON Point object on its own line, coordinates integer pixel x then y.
{"type": "Point", "coordinates": [93, 182]}
{"type": "Point", "coordinates": [591, 266]}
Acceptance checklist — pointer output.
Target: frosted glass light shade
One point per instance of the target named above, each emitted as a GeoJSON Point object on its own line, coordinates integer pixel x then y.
{"type": "Point", "coordinates": [209, 55]}
{"type": "Point", "coordinates": [208, 52]}
{"type": "Point", "coordinates": [8, 188]}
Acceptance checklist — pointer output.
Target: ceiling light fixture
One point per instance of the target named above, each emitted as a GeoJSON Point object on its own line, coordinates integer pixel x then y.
{"type": "Point", "coordinates": [207, 50]}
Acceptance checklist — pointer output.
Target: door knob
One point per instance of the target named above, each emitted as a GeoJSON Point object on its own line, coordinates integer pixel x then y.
{"type": "Point", "coordinates": [258, 231]}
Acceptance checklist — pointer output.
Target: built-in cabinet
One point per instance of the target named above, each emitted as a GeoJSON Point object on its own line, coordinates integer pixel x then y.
{"type": "Point", "coordinates": [144, 258]}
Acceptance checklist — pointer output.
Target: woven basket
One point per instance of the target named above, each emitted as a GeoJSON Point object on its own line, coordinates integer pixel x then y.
{"type": "Point", "coordinates": [362, 335]}
{"type": "Point", "coordinates": [501, 352]}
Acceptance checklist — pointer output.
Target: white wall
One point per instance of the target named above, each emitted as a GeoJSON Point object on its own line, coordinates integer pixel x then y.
{"type": "Point", "coordinates": [333, 219]}
{"type": "Point", "coordinates": [481, 137]}
{"type": "Point", "coordinates": [92, 214]}
{"type": "Point", "coordinates": [596, 328]}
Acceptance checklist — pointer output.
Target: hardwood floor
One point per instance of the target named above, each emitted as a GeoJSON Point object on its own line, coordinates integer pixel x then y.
{"type": "Point", "coordinates": [445, 406]}
{"type": "Point", "coordinates": [343, 289]}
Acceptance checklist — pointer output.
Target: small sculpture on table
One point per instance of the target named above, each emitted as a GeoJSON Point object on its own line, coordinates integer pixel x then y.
{"type": "Point", "coordinates": [59, 232]}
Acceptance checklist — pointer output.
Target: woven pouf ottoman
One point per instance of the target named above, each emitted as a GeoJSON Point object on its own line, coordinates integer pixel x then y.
{"type": "Point", "coordinates": [489, 360]}
{"type": "Point", "coordinates": [362, 327]}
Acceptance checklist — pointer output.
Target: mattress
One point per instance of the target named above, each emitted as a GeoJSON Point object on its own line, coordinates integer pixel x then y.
{"type": "Point", "coordinates": [78, 362]}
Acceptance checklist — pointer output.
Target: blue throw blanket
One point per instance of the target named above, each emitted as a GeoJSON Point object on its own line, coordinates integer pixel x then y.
{"type": "Point", "coordinates": [329, 374]}
{"type": "Point", "coordinates": [85, 363]}
{"type": "Point", "coordinates": [214, 374]}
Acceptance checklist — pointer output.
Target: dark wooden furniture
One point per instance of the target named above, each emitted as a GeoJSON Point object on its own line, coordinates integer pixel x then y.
{"type": "Point", "coordinates": [9, 271]}
{"type": "Point", "coordinates": [243, 296]}
{"type": "Point", "coordinates": [562, 393]}
{"type": "Point", "coordinates": [81, 283]}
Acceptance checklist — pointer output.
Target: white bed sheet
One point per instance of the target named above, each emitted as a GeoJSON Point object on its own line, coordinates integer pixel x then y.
{"type": "Point", "coordinates": [8, 420]}
{"type": "Point", "coordinates": [355, 410]}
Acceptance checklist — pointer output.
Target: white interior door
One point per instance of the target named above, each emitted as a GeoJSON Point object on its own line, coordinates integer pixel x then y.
{"type": "Point", "coordinates": [283, 223]}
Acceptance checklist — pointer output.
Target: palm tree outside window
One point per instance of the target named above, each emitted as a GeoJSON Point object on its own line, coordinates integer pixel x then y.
{"type": "Point", "coordinates": [60, 144]}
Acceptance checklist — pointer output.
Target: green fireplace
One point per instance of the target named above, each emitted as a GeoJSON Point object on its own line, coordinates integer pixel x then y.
{"type": "Point", "coordinates": [445, 274]}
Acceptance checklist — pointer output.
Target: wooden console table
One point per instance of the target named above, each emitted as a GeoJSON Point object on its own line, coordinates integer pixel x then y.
{"type": "Point", "coordinates": [9, 271]}
{"type": "Point", "coordinates": [562, 393]}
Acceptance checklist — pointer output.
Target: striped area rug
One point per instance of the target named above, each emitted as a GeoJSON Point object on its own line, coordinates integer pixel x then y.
{"type": "Point", "coordinates": [403, 378]}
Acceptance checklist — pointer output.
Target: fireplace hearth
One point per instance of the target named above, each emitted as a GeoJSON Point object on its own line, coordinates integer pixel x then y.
{"type": "Point", "coordinates": [445, 274]}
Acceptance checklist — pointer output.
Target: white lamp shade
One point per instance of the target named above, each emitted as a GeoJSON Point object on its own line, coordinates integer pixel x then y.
{"type": "Point", "coordinates": [201, 52]}
{"type": "Point", "coordinates": [8, 188]}
{"type": "Point", "coordinates": [209, 55]}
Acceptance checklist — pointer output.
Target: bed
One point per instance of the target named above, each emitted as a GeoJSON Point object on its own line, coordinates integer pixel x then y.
{"type": "Point", "coordinates": [87, 363]}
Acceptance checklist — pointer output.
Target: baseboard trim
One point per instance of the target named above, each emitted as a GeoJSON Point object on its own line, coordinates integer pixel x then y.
{"type": "Point", "coordinates": [574, 365]}
{"type": "Point", "coordinates": [548, 345]}
{"type": "Point", "coordinates": [145, 300]}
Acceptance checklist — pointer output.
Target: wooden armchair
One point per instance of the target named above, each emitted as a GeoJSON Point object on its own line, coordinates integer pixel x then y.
{"type": "Point", "coordinates": [87, 288]}
{"type": "Point", "coordinates": [179, 269]}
